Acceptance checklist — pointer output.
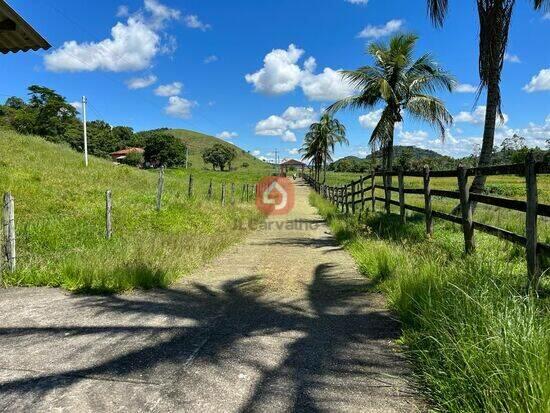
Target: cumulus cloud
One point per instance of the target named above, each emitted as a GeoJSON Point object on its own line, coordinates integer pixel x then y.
{"type": "Point", "coordinates": [282, 73]}
{"type": "Point", "coordinates": [539, 82]}
{"type": "Point", "coordinates": [294, 151]}
{"type": "Point", "coordinates": [171, 89]}
{"type": "Point", "coordinates": [376, 32]}
{"type": "Point", "coordinates": [293, 118]}
{"type": "Point", "coordinates": [193, 22]}
{"type": "Point", "coordinates": [77, 105]}
{"type": "Point", "coordinates": [210, 59]}
{"type": "Point", "coordinates": [371, 119]}
{"type": "Point", "coordinates": [465, 88]}
{"type": "Point", "coordinates": [512, 58]}
{"type": "Point", "coordinates": [477, 117]}
{"type": "Point", "coordinates": [256, 152]}
{"type": "Point", "coordinates": [122, 11]}
{"type": "Point", "coordinates": [179, 107]}
{"type": "Point", "coordinates": [132, 45]}
{"type": "Point", "coordinates": [141, 82]}
{"type": "Point", "coordinates": [227, 135]}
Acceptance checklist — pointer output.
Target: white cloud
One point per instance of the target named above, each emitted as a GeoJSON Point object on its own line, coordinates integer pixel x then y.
{"type": "Point", "coordinates": [141, 82]}
{"type": "Point", "coordinates": [328, 85]}
{"type": "Point", "coordinates": [122, 11]}
{"type": "Point", "coordinates": [364, 2]}
{"type": "Point", "coordinates": [256, 152]}
{"type": "Point", "coordinates": [77, 105]}
{"type": "Point", "coordinates": [376, 32]}
{"type": "Point", "coordinates": [227, 135]}
{"type": "Point", "coordinates": [132, 45]}
{"type": "Point", "coordinates": [539, 82]}
{"type": "Point", "coordinates": [465, 88]}
{"type": "Point", "coordinates": [179, 107]}
{"type": "Point", "coordinates": [546, 16]}
{"type": "Point", "coordinates": [294, 151]}
{"type": "Point", "coordinates": [171, 89]}
{"type": "Point", "coordinates": [210, 59]}
{"type": "Point", "coordinates": [512, 58]}
{"type": "Point", "coordinates": [288, 136]}
{"type": "Point", "coordinates": [193, 22]}
{"type": "Point", "coordinates": [477, 117]}
{"type": "Point", "coordinates": [414, 138]}
{"type": "Point", "coordinates": [293, 118]}
{"type": "Point", "coordinates": [281, 74]}
{"type": "Point", "coordinates": [371, 119]}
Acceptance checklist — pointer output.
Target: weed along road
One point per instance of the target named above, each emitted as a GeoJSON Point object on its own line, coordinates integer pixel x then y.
{"type": "Point", "coordinates": [280, 322]}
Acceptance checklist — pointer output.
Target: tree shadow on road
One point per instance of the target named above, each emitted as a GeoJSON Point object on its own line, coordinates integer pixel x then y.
{"type": "Point", "coordinates": [327, 349]}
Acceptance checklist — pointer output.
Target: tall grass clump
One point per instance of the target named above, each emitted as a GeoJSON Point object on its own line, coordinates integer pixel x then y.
{"type": "Point", "coordinates": [477, 341]}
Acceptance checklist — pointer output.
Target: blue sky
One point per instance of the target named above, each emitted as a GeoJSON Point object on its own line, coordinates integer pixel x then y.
{"type": "Point", "coordinates": [259, 72]}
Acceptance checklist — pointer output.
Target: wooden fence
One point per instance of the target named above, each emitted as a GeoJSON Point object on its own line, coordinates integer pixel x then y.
{"type": "Point", "coordinates": [353, 196]}
{"type": "Point", "coordinates": [8, 233]}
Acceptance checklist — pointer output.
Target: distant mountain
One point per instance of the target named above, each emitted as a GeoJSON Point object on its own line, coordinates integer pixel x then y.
{"type": "Point", "coordinates": [414, 152]}
{"type": "Point", "coordinates": [415, 155]}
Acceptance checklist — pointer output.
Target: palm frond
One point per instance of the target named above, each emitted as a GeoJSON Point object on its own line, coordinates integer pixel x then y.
{"type": "Point", "coordinates": [431, 110]}
{"type": "Point", "coordinates": [437, 9]}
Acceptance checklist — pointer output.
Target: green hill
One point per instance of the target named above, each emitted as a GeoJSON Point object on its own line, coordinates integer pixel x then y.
{"type": "Point", "coordinates": [60, 219]}
{"type": "Point", "coordinates": [197, 142]}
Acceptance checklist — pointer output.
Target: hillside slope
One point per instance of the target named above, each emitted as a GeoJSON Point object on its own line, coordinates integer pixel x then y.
{"type": "Point", "coordinates": [197, 142]}
{"type": "Point", "coordinates": [60, 219]}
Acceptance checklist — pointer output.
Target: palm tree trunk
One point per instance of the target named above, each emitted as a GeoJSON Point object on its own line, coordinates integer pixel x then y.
{"type": "Point", "coordinates": [493, 97]}
{"type": "Point", "coordinates": [325, 171]}
{"type": "Point", "coordinates": [389, 154]}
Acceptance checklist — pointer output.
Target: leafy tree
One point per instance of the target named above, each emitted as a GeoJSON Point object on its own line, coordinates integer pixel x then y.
{"type": "Point", "coordinates": [405, 160]}
{"type": "Point", "coordinates": [402, 85]}
{"type": "Point", "coordinates": [15, 103]}
{"type": "Point", "coordinates": [219, 156]}
{"type": "Point", "coordinates": [52, 114]}
{"type": "Point", "coordinates": [124, 135]}
{"type": "Point", "coordinates": [494, 20]}
{"type": "Point", "coordinates": [320, 141]}
{"type": "Point", "coordinates": [101, 140]}
{"type": "Point", "coordinates": [164, 150]}
{"type": "Point", "coordinates": [133, 159]}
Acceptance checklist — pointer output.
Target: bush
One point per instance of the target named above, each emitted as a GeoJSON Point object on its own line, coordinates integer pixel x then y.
{"type": "Point", "coordinates": [133, 159]}
{"type": "Point", "coordinates": [164, 150]}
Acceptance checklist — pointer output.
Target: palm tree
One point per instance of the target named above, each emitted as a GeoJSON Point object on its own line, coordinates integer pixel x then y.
{"type": "Point", "coordinates": [320, 141]}
{"type": "Point", "coordinates": [494, 21]}
{"type": "Point", "coordinates": [403, 85]}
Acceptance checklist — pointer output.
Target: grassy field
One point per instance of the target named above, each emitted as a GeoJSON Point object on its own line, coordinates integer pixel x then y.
{"type": "Point", "coordinates": [60, 208]}
{"type": "Point", "coordinates": [476, 340]}
{"type": "Point", "coordinates": [197, 142]}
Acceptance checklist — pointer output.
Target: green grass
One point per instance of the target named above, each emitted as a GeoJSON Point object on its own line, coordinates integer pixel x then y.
{"type": "Point", "coordinates": [198, 142]}
{"type": "Point", "coordinates": [60, 219]}
{"type": "Point", "coordinates": [476, 340]}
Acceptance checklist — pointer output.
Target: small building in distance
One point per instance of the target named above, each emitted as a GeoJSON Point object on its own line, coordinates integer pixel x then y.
{"type": "Point", "coordinates": [292, 164]}
{"type": "Point", "coordinates": [123, 153]}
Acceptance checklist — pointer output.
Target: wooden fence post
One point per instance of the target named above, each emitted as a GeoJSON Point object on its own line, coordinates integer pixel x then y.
{"type": "Point", "coordinates": [160, 188]}
{"type": "Point", "coordinates": [372, 191]}
{"type": "Point", "coordinates": [210, 190]}
{"type": "Point", "coordinates": [533, 269]}
{"type": "Point", "coordinates": [428, 201]}
{"type": "Point", "coordinates": [190, 190]}
{"type": "Point", "coordinates": [243, 193]}
{"type": "Point", "coordinates": [362, 189]}
{"type": "Point", "coordinates": [232, 193]}
{"type": "Point", "coordinates": [8, 224]}
{"type": "Point", "coordinates": [346, 198]}
{"type": "Point", "coordinates": [401, 181]}
{"type": "Point", "coordinates": [466, 209]}
{"type": "Point", "coordinates": [353, 198]}
{"type": "Point", "coordinates": [223, 194]}
{"type": "Point", "coordinates": [387, 192]}
{"type": "Point", "coordinates": [108, 210]}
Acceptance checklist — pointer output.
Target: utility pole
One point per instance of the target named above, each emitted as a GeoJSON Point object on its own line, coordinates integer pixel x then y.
{"type": "Point", "coordinates": [84, 101]}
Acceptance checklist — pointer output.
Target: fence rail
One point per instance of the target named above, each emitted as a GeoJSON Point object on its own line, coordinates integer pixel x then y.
{"type": "Point", "coordinates": [345, 198]}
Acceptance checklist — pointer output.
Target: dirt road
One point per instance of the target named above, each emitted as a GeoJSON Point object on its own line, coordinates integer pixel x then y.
{"type": "Point", "coordinates": [281, 322]}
